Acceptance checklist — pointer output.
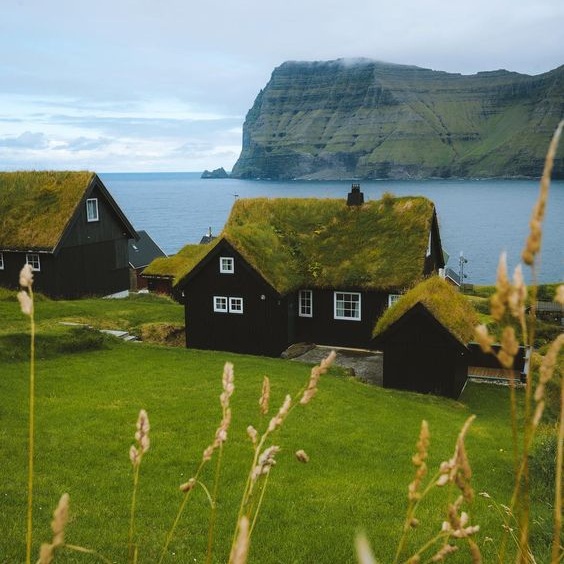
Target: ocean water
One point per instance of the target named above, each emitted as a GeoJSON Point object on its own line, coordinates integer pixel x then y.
{"type": "Point", "coordinates": [479, 218]}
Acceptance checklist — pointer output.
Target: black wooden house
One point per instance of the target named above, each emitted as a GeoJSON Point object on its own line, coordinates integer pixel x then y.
{"type": "Point", "coordinates": [67, 226]}
{"type": "Point", "coordinates": [424, 338]}
{"type": "Point", "coordinates": [305, 270]}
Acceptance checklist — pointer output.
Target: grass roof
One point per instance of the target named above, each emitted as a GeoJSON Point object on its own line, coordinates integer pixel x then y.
{"type": "Point", "coordinates": [36, 206]}
{"type": "Point", "coordinates": [452, 309]}
{"type": "Point", "coordinates": [176, 266]}
{"type": "Point", "coordinates": [307, 242]}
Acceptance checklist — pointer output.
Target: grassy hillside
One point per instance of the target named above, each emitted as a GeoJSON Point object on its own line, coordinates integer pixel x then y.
{"type": "Point", "coordinates": [360, 440]}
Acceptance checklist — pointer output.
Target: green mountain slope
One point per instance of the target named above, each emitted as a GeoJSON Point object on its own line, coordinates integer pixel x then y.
{"type": "Point", "coordinates": [366, 119]}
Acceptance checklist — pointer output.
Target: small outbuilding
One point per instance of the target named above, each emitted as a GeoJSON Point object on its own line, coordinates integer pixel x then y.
{"type": "Point", "coordinates": [424, 338]}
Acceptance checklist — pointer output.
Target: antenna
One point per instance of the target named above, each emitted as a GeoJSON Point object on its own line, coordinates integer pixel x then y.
{"type": "Point", "coordinates": [461, 262]}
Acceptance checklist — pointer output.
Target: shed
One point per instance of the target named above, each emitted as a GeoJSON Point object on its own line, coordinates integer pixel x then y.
{"type": "Point", "coordinates": [424, 339]}
{"type": "Point", "coordinates": [67, 226]}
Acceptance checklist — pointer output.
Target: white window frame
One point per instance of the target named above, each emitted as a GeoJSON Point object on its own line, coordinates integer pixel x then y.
{"type": "Point", "coordinates": [34, 261]}
{"type": "Point", "coordinates": [305, 303]}
{"type": "Point", "coordinates": [226, 265]}
{"type": "Point", "coordinates": [235, 305]}
{"type": "Point", "coordinates": [346, 299]}
{"type": "Point", "coordinates": [428, 254]}
{"type": "Point", "coordinates": [220, 304]}
{"type": "Point", "coordinates": [92, 210]}
{"type": "Point", "coordinates": [392, 299]}
{"type": "Point", "coordinates": [1, 261]}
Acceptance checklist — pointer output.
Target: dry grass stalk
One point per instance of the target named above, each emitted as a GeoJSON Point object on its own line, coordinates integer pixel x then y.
{"type": "Point", "coordinates": [302, 456]}
{"type": "Point", "coordinates": [240, 550]}
{"type": "Point", "coordinates": [265, 396]}
{"type": "Point", "coordinates": [25, 297]}
{"type": "Point", "coordinates": [418, 460]}
{"type": "Point", "coordinates": [363, 551]}
{"type": "Point", "coordinates": [316, 372]}
{"type": "Point", "coordinates": [533, 243]}
{"type": "Point", "coordinates": [60, 519]}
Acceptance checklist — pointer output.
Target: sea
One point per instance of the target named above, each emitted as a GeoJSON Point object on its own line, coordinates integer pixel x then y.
{"type": "Point", "coordinates": [478, 219]}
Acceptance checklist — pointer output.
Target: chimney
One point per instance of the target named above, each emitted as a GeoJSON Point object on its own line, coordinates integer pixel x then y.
{"type": "Point", "coordinates": [355, 197]}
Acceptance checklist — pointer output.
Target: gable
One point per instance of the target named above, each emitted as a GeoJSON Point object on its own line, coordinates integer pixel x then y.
{"type": "Point", "coordinates": [210, 266]}
{"type": "Point", "coordinates": [39, 207]}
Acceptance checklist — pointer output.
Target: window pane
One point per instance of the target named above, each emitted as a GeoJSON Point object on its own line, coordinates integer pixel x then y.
{"type": "Point", "coordinates": [92, 209]}
{"type": "Point", "coordinates": [235, 305]}
{"type": "Point", "coordinates": [347, 305]}
{"type": "Point", "coordinates": [226, 265]}
{"type": "Point", "coordinates": [220, 303]}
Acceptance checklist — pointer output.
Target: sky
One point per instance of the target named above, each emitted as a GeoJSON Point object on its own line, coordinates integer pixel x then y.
{"type": "Point", "coordinates": [164, 85]}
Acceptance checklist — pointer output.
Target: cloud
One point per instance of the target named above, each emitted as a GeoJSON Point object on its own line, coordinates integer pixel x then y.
{"type": "Point", "coordinates": [27, 140]}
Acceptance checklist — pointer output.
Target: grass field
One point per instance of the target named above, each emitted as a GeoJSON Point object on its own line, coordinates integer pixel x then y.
{"type": "Point", "coordinates": [360, 440]}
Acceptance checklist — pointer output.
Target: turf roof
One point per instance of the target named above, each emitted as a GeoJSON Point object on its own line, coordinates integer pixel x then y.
{"type": "Point", "coordinates": [323, 243]}
{"type": "Point", "coordinates": [36, 206]}
{"type": "Point", "coordinates": [449, 307]}
{"type": "Point", "coordinates": [176, 266]}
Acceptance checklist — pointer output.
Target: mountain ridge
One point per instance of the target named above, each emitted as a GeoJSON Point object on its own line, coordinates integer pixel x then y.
{"type": "Point", "coordinates": [368, 119]}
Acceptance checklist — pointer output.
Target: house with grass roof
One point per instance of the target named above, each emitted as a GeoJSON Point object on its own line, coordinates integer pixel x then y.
{"type": "Point", "coordinates": [425, 339]}
{"type": "Point", "coordinates": [67, 226]}
{"type": "Point", "coordinates": [290, 270]}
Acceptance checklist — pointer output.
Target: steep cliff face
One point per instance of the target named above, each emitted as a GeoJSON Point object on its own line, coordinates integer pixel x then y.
{"type": "Point", "coordinates": [365, 119]}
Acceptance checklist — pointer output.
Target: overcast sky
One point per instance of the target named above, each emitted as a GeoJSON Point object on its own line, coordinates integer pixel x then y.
{"type": "Point", "coordinates": [164, 85]}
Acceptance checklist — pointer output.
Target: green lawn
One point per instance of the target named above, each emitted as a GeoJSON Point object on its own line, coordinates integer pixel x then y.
{"type": "Point", "coordinates": [360, 440]}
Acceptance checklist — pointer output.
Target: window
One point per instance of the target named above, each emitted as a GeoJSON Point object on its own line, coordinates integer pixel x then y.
{"type": "Point", "coordinates": [305, 303]}
{"type": "Point", "coordinates": [92, 209]}
{"type": "Point", "coordinates": [1, 261]}
{"type": "Point", "coordinates": [33, 260]}
{"type": "Point", "coordinates": [235, 305]}
{"type": "Point", "coordinates": [226, 265]}
{"type": "Point", "coordinates": [220, 304]}
{"type": "Point", "coordinates": [393, 298]}
{"type": "Point", "coordinates": [347, 305]}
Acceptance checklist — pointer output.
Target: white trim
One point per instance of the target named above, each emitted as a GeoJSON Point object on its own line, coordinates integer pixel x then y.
{"type": "Point", "coordinates": [235, 305]}
{"type": "Point", "coordinates": [33, 260]}
{"type": "Point", "coordinates": [305, 303]}
{"type": "Point", "coordinates": [220, 304]}
{"type": "Point", "coordinates": [226, 265]}
{"type": "Point", "coordinates": [428, 253]}
{"type": "Point", "coordinates": [347, 306]}
{"type": "Point", "coordinates": [1, 261]}
{"type": "Point", "coordinates": [393, 298]}
{"type": "Point", "coordinates": [92, 210]}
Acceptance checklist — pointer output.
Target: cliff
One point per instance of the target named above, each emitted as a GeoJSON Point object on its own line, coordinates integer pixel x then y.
{"type": "Point", "coordinates": [368, 120]}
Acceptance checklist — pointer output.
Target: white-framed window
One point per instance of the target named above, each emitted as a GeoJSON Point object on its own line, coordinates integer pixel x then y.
{"type": "Point", "coordinates": [226, 265]}
{"type": "Point", "coordinates": [92, 209]}
{"type": "Point", "coordinates": [1, 261]}
{"type": "Point", "coordinates": [235, 305]}
{"type": "Point", "coordinates": [393, 298]}
{"type": "Point", "coordinates": [347, 305]}
{"type": "Point", "coordinates": [305, 303]}
{"type": "Point", "coordinates": [33, 260]}
{"type": "Point", "coordinates": [220, 304]}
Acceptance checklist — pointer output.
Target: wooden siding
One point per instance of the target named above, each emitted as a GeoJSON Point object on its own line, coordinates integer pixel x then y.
{"type": "Point", "coordinates": [91, 259]}
{"type": "Point", "coordinates": [323, 329]}
{"type": "Point", "coordinates": [420, 355]}
{"type": "Point", "coordinates": [263, 326]}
